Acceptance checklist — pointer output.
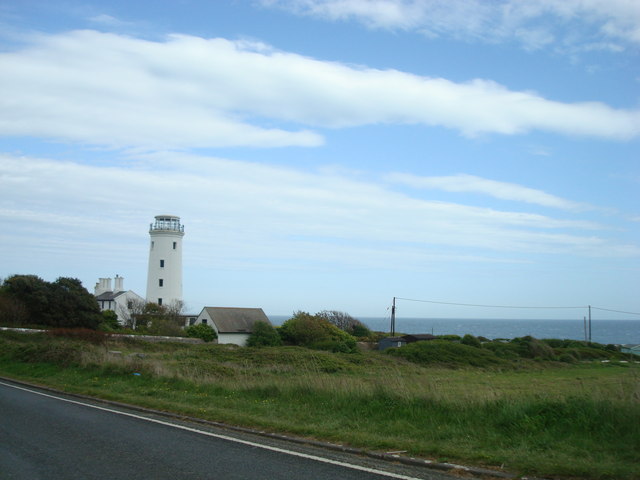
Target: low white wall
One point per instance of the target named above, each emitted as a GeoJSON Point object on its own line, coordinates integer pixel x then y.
{"type": "Point", "coordinates": [233, 338]}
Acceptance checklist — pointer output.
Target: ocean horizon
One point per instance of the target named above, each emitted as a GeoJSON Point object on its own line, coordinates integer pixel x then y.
{"type": "Point", "coordinates": [602, 331]}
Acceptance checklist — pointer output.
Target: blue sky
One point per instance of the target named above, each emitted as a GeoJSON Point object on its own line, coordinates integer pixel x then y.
{"type": "Point", "coordinates": [329, 154]}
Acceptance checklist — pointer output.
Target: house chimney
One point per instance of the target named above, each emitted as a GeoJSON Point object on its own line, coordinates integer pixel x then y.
{"type": "Point", "coordinates": [103, 285]}
{"type": "Point", "coordinates": [118, 281]}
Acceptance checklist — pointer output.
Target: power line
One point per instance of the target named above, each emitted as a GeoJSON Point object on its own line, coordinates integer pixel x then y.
{"type": "Point", "coordinates": [489, 306]}
{"type": "Point", "coordinates": [515, 306]}
{"type": "Point", "coordinates": [616, 311]}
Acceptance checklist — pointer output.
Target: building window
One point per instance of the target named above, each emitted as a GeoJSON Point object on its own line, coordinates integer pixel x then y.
{"type": "Point", "coordinates": [175, 244]}
{"type": "Point", "coordinates": [204, 320]}
{"type": "Point", "coordinates": [152, 244]}
{"type": "Point", "coordinates": [159, 301]}
{"type": "Point", "coordinates": [161, 282]}
{"type": "Point", "coordinates": [161, 263]}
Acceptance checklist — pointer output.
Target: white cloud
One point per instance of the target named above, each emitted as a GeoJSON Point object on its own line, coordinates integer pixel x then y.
{"type": "Point", "coordinates": [493, 188]}
{"type": "Point", "coordinates": [188, 92]}
{"type": "Point", "coordinates": [249, 213]}
{"type": "Point", "coordinates": [107, 20]}
{"type": "Point", "coordinates": [534, 23]}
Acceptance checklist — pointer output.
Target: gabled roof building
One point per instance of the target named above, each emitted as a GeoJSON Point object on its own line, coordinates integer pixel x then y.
{"type": "Point", "coordinates": [233, 325]}
{"type": "Point", "coordinates": [117, 299]}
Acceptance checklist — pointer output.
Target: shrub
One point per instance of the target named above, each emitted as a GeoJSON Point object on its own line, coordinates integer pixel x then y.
{"type": "Point", "coordinates": [585, 353]}
{"type": "Point", "coordinates": [62, 352]}
{"type": "Point", "coordinates": [345, 322]}
{"type": "Point", "coordinates": [109, 322]}
{"type": "Point", "coordinates": [164, 326]}
{"type": "Point", "coordinates": [360, 331]}
{"type": "Point", "coordinates": [446, 353]}
{"type": "Point", "coordinates": [84, 334]}
{"type": "Point", "coordinates": [508, 351]}
{"type": "Point", "coordinates": [567, 358]}
{"type": "Point", "coordinates": [451, 338]}
{"type": "Point", "coordinates": [471, 341]}
{"type": "Point", "coordinates": [555, 342]}
{"type": "Point", "coordinates": [313, 331]}
{"type": "Point", "coordinates": [331, 345]}
{"type": "Point", "coordinates": [264, 335]}
{"type": "Point", "coordinates": [203, 331]}
{"type": "Point", "coordinates": [529, 347]}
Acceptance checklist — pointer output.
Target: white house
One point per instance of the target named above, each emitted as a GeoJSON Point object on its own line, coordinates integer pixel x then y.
{"type": "Point", "coordinates": [117, 299]}
{"type": "Point", "coordinates": [233, 325]}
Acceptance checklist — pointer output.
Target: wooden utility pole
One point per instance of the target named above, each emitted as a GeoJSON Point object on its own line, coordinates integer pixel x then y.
{"type": "Point", "coordinates": [393, 318]}
{"type": "Point", "coordinates": [589, 322]}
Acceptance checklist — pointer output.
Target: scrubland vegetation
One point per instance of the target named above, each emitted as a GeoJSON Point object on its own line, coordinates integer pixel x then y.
{"type": "Point", "coordinates": [548, 408]}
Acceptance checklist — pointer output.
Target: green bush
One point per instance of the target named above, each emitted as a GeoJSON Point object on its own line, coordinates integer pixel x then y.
{"type": "Point", "coordinates": [264, 335]}
{"type": "Point", "coordinates": [585, 353]}
{"type": "Point", "coordinates": [109, 322]}
{"type": "Point", "coordinates": [164, 326]}
{"type": "Point", "coordinates": [507, 351]}
{"type": "Point", "coordinates": [58, 351]}
{"type": "Point", "coordinates": [567, 358]}
{"type": "Point", "coordinates": [201, 330]}
{"type": "Point", "coordinates": [360, 331]}
{"type": "Point", "coordinates": [446, 353]}
{"type": "Point", "coordinates": [314, 331]}
{"type": "Point", "coordinates": [345, 322]}
{"type": "Point", "coordinates": [471, 341]}
{"type": "Point", "coordinates": [331, 345]}
{"type": "Point", "coordinates": [529, 347]}
{"type": "Point", "coordinates": [450, 338]}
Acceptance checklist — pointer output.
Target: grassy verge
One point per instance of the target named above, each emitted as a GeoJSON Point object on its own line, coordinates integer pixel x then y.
{"type": "Point", "coordinates": [552, 420]}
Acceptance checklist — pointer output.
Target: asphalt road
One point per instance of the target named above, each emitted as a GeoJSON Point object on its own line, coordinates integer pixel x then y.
{"type": "Point", "coordinates": [53, 437]}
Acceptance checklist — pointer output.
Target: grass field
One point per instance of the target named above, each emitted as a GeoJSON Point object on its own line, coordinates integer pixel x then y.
{"type": "Point", "coordinates": [530, 417]}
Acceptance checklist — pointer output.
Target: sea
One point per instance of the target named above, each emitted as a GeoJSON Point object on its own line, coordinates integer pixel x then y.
{"type": "Point", "coordinates": [617, 332]}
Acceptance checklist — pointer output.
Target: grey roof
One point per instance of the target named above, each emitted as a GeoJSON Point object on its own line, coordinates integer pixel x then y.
{"type": "Point", "coordinates": [236, 320]}
{"type": "Point", "coordinates": [416, 337]}
{"type": "Point", "coordinates": [109, 295]}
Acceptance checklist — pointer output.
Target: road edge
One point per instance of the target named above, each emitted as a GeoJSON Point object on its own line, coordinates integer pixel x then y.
{"type": "Point", "coordinates": [385, 456]}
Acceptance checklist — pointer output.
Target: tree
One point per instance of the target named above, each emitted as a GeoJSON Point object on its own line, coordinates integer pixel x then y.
{"type": "Point", "coordinates": [32, 292]}
{"type": "Point", "coordinates": [63, 303]}
{"type": "Point", "coordinates": [345, 322]}
{"type": "Point", "coordinates": [136, 309]}
{"type": "Point", "coordinates": [12, 311]}
{"type": "Point", "coordinates": [73, 305]}
{"type": "Point", "coordinates": [263, 335]}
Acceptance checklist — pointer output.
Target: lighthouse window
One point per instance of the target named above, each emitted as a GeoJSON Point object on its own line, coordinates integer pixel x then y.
{"type": "Point", "coordinates": [174, 245]}
{"type": "Point", "coordinates": [160, 282]}
{"type": "Point", "coordinates": [159, 301]}
{"type": "Point", "coordinates": [161, 263]}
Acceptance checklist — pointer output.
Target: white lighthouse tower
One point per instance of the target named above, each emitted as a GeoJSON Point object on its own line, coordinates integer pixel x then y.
{"type": "Point", "coordinates": [164, 280]}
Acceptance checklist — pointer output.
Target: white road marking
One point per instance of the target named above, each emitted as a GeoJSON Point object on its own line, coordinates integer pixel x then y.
{"type": "Point", "coordinates": [223, 437]}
